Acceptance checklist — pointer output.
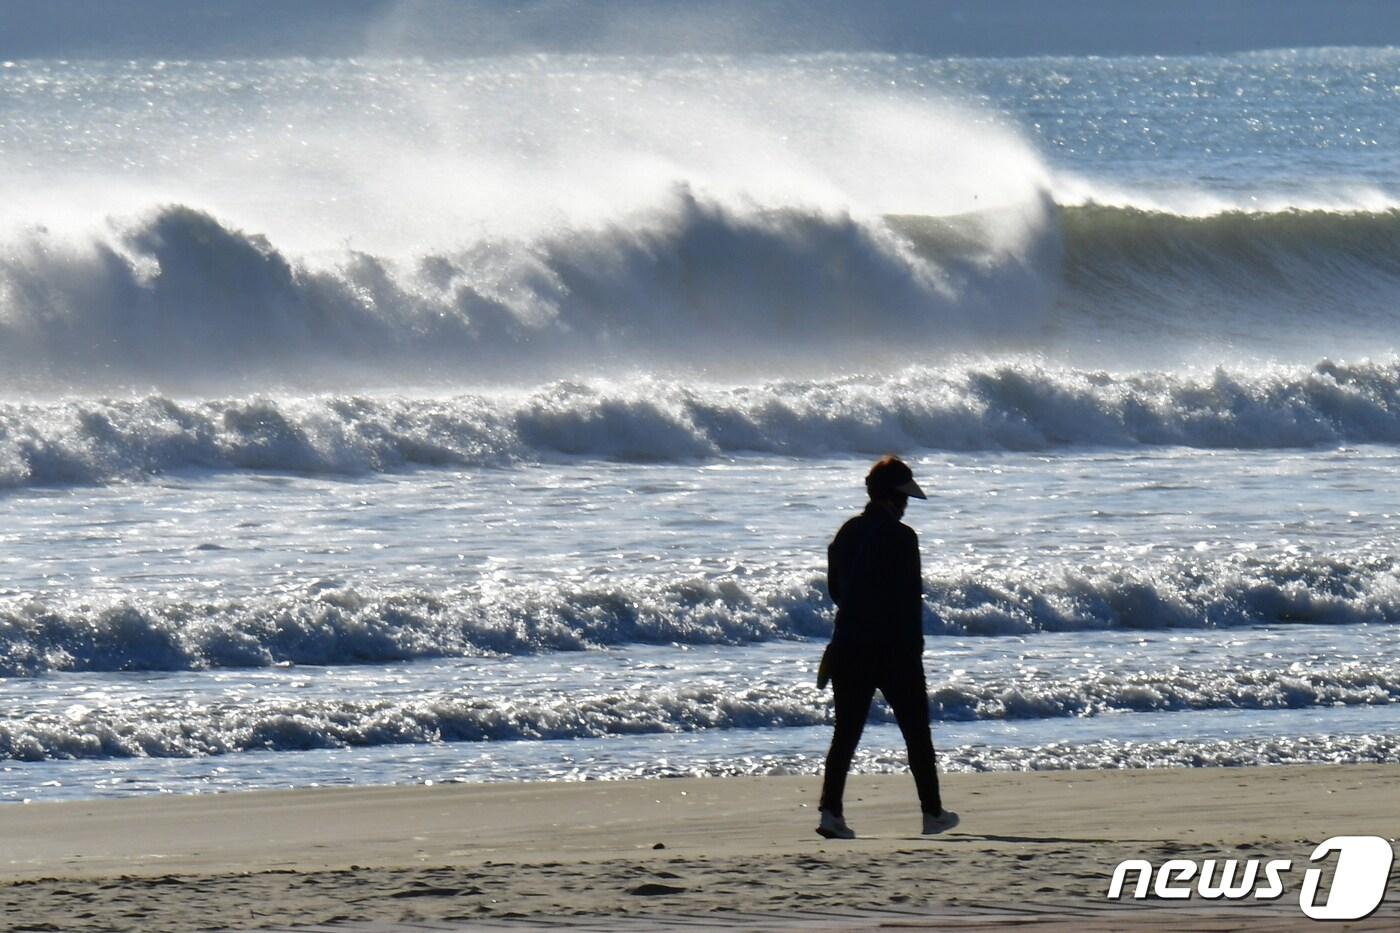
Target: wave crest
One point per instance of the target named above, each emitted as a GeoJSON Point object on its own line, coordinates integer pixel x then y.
{"type": "Point", "coordinates": [185, 299]}
{"type": "Point", "coordinates": [1267, 280]}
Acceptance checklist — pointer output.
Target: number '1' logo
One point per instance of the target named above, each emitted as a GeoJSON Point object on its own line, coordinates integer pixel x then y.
{"type": "Point", "coordinates": [1358, 884]}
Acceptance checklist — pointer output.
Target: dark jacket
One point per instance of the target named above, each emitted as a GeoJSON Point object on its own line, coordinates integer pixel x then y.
{"type": "Point", "coordinates": [875, 580]}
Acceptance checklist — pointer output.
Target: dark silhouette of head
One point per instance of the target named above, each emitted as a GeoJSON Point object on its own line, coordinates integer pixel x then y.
{"type": "Point", "coordinates": [890, 483]}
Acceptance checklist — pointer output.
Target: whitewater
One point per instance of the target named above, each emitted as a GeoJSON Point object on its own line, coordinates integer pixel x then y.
{"type": "Point", "coordinates": [386, 419]}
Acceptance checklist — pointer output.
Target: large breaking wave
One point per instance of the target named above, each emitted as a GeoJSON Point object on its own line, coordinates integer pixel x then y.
{"type": "Point", "coordinates": [535, 218]}
{"type": "Point", "coordinates": [185, 300]}
{"type": "Point", "coordinates": [1022, 406]}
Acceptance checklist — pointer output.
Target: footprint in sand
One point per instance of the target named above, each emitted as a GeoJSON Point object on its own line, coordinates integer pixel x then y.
{"type": "Point", "coordinates": [429, 891]}
{"type": "Point", "coordinates": [653, 888]}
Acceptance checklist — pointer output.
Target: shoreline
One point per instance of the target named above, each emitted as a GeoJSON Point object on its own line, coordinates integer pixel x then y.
{"type": "Point", "coordinates": [474, 852]}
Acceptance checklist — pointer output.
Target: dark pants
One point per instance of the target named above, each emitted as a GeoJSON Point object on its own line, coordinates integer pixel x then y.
{"type": "Point", "coordinates": [907, 696]}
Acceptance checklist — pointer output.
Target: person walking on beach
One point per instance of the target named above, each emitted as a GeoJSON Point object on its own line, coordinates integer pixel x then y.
{"type": "Point", "coordinates": [875, 580]}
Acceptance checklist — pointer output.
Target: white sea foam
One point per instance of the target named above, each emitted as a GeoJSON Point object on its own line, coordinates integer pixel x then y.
{"type": "Point", "coordinates": [349, 626]}
{"type": "Point", "coordinates": [1377, 748]}
{"type": "Point", "coordinates": [1013, 406]}
{"type": "Point", "coordinates": [175, 728]}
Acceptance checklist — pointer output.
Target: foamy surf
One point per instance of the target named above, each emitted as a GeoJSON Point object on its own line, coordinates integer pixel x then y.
{"type": "Point", "coordinates": [1012, 406]}
{"type": "Point", "coordinates": [476, 703]}
{"type": "Point", "coordinates": [350, 626]}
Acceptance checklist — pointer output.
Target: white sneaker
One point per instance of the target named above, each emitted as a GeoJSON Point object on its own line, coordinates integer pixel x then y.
{"type": "Point", "coordinates": [834, 827]}
{"type": "Point", "coordinates": [937, 823]}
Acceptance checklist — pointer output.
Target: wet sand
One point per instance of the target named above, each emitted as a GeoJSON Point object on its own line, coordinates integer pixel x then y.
{"type": "Point", "coordinates": [1044, 842]}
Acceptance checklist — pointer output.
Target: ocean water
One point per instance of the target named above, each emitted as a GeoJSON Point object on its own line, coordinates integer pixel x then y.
{"type": "Point", "coordinates": [385, 420]}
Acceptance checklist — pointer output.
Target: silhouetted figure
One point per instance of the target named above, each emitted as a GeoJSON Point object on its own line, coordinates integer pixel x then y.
{"type": "Point", "coordinates": [875, 580]}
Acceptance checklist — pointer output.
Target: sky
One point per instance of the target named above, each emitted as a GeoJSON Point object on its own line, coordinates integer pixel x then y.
{"type": "Point", "coordinates": [279, 28]}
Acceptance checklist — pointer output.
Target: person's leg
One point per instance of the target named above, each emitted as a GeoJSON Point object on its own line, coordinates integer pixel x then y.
{"type": "Point", "coordinates": [853, 696]}
{"type": "Point", "coordinates": [907, 694]}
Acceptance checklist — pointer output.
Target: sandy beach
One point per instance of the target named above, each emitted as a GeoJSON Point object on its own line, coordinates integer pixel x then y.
{"type": "Point", "coordinates": [668, 848]}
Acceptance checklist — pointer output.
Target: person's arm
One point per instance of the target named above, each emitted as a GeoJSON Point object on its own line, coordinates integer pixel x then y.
{"type": "Point", "coordinates": [913, 595]}
{"type": "Point", "coordinates": [833, 577]}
